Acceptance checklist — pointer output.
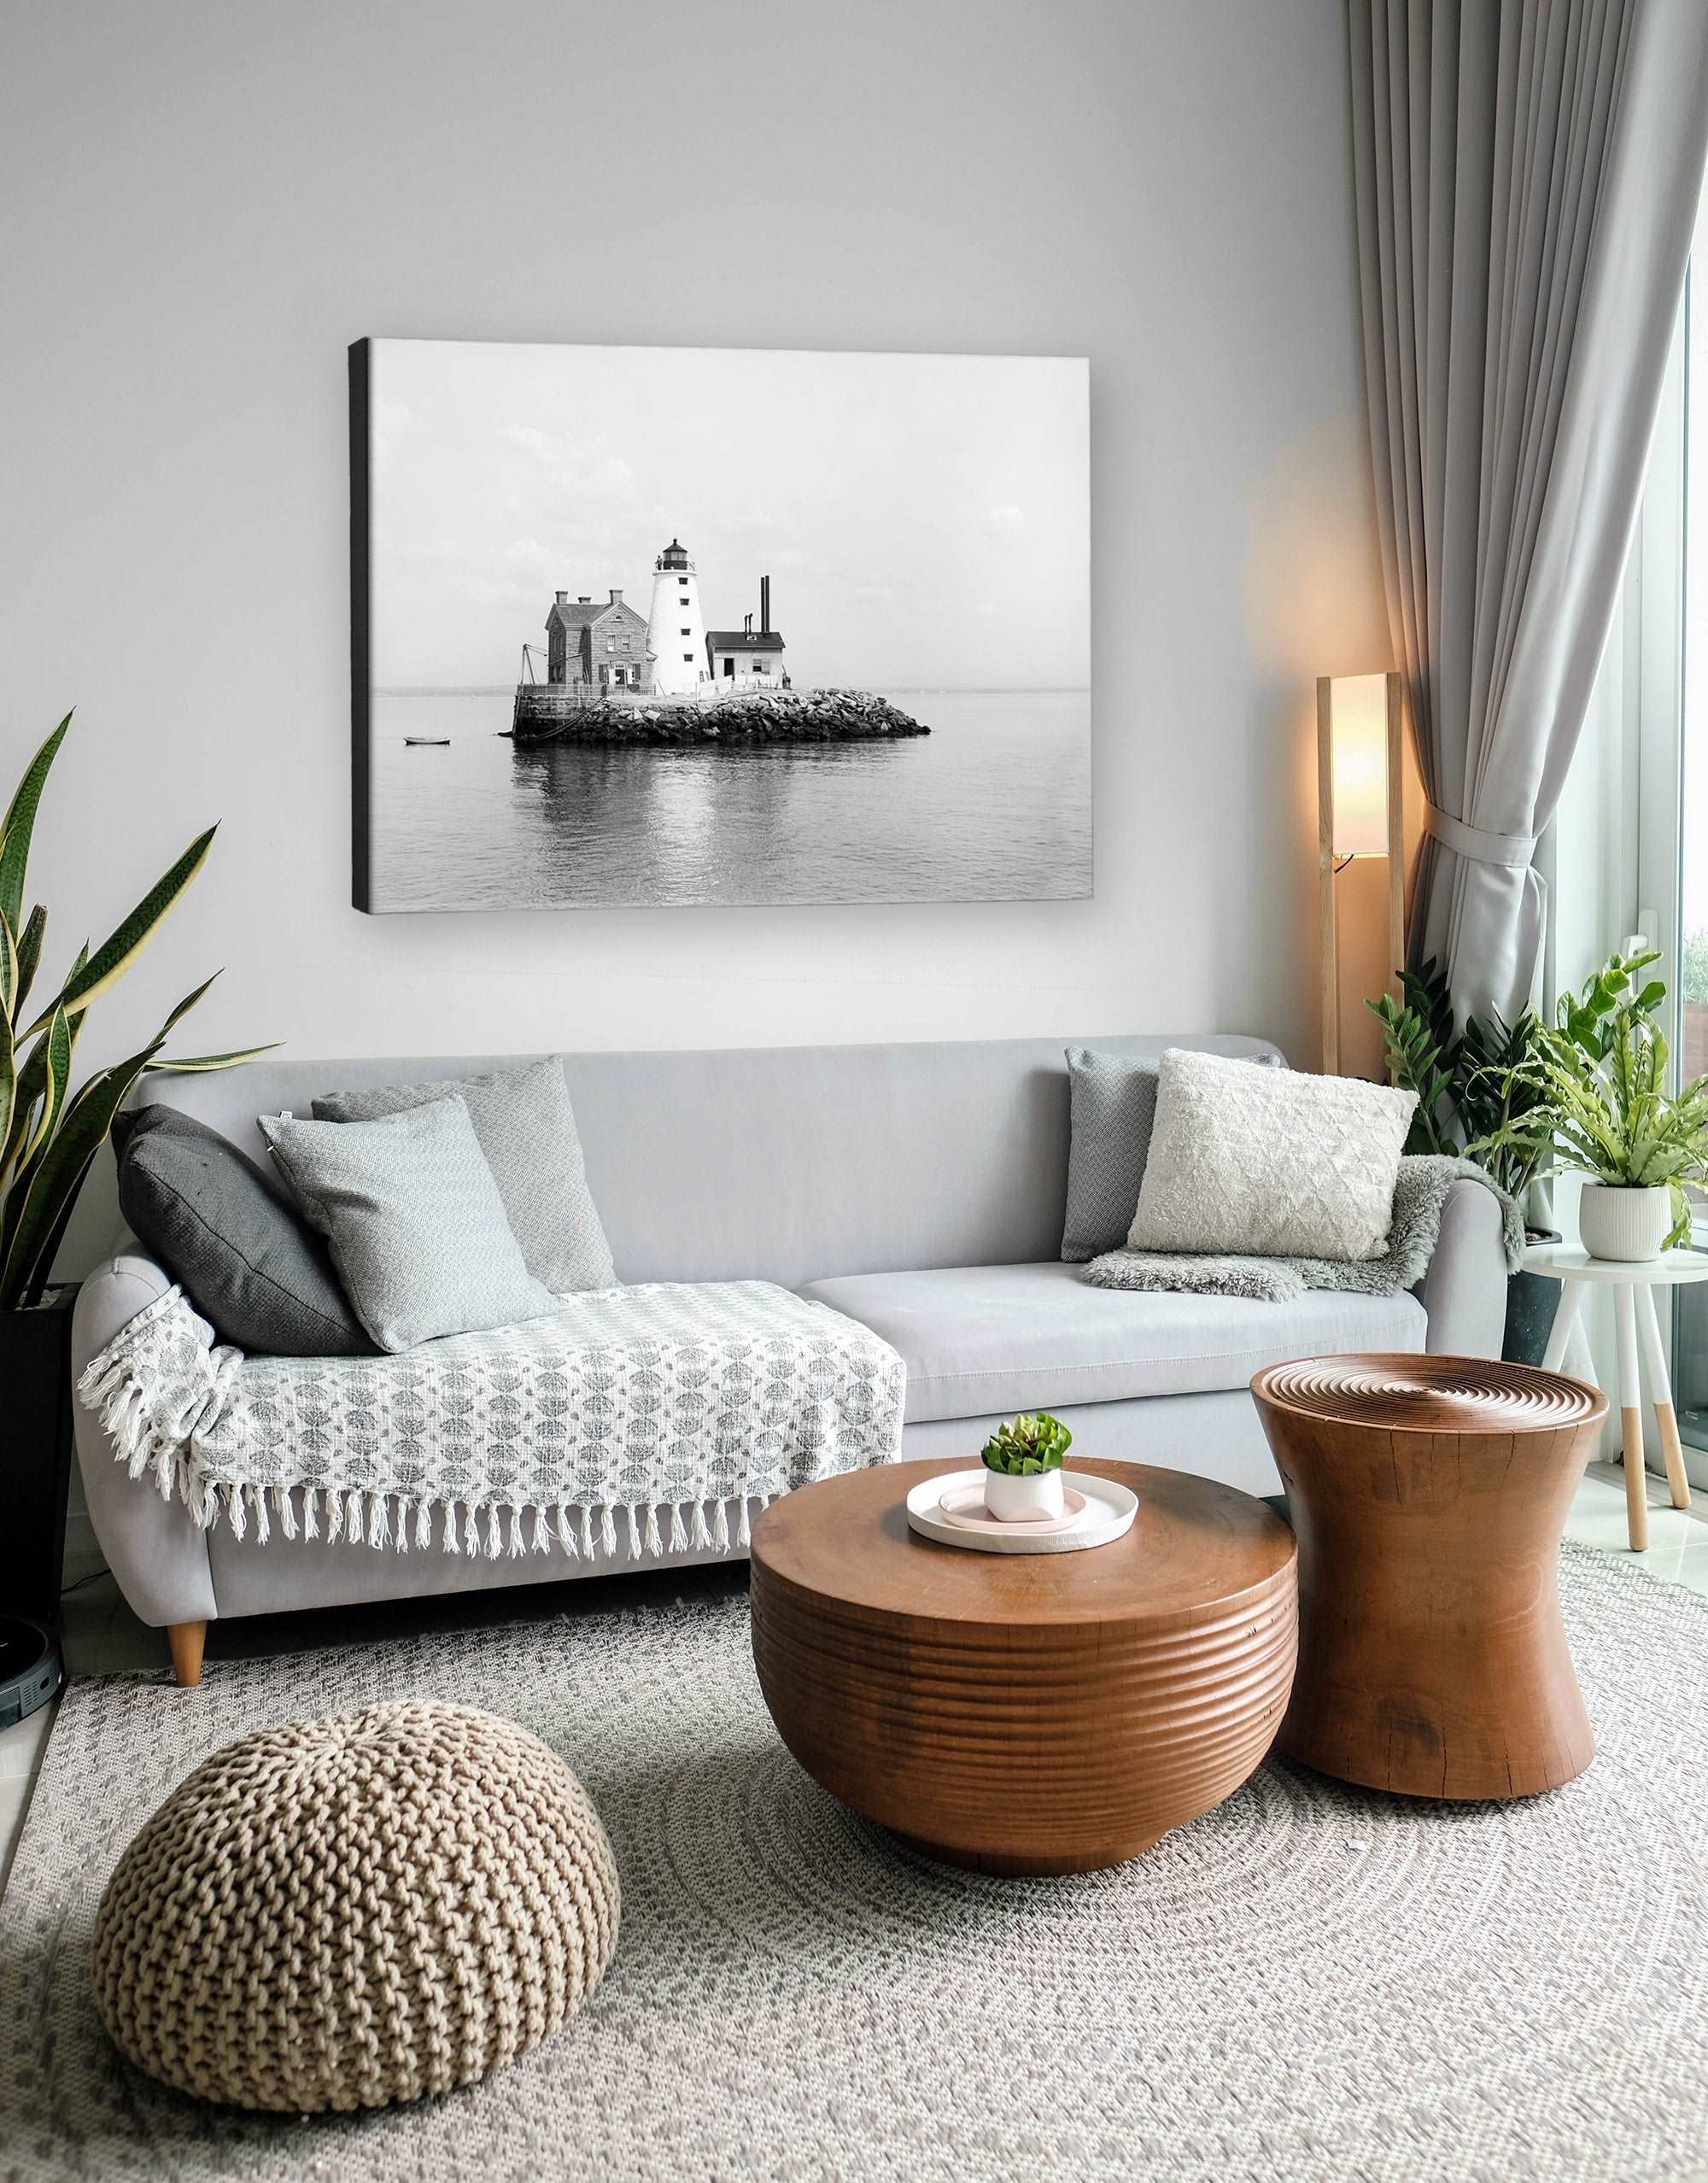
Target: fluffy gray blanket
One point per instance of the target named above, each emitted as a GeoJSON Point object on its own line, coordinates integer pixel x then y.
{"type": "Point", "coordinates": [1420, 1199]}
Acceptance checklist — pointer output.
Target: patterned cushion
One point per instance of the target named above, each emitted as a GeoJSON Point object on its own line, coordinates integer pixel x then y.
{"type": "Point", "coordinates": [1112, 1104]}
{"type": "Point", "coordinates": [526, 1127]}
{"type": "Point", "coordinates": [417, 1228]}
{"type": "Point", "coordinates": [1269, 1162]}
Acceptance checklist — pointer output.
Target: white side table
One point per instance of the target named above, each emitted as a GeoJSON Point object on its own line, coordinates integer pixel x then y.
{"type": "Point", "coordinates": [1633, 1286]}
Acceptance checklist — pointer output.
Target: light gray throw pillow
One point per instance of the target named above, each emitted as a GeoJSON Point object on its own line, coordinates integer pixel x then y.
{"type": "Point", "coordinates": [416, 1227]}
{"type": "Point", "coordinates": [526, 1127]}
{"type": "Point", "coordinates": [1112, 1110]}
{"type": "Point", "coordinates": [1269, 1162]}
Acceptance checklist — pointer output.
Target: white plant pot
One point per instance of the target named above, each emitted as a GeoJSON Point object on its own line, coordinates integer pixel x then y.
{"type": "Point", "coordinates": [1023, 1500]}
{"type": "Point", "coordinates": [1624, 1225]}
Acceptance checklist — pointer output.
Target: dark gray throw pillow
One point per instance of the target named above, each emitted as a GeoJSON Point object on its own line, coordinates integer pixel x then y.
{"type": "Point", "coordinates": [249, 1264]}
{"type": "Point", "coordinates": [1112, 1107]}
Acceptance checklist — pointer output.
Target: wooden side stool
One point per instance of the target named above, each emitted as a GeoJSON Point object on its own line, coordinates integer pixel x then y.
{"type": "Point", "coordinates": [1429, 1495]}
{"type": "Point", "coordinates": [1633, 1283]}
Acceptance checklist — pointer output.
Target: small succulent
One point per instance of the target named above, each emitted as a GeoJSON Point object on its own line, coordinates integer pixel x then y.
{"type": "Point", "coordinates": [1027, 1446]}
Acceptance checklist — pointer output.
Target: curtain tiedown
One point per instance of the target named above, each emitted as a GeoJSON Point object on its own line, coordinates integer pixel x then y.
{"type": "Point", "coordinates": [1476, 843]}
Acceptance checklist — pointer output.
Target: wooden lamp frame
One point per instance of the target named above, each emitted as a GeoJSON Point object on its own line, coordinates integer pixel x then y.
{"type": "Point", "coordinates": [1326, 866]}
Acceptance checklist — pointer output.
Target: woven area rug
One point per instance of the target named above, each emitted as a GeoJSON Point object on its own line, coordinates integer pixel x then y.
{"type": "Point", "coordinates": [1309, 1982]}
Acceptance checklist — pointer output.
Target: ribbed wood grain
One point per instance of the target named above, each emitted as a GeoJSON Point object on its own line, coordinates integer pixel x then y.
{"type": "Point", "coordinates": [1035, 1713]}
{"type": "Point", "coordinates": [1429, 1495]}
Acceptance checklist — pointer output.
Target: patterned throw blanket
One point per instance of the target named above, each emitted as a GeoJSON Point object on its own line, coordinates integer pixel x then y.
{"type": "Point", "coordinates": [1420, 1196]}
{"type": "Point", "coordinates": [657, 1405]}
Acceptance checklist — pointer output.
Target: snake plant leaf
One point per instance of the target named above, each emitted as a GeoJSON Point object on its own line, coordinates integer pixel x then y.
{"type": "Point", "coordinates": [55, 1085]}
{"type": "Point", "coordinates": [205, 1064]}
{"type": "Point", "coordinates": [115, 955]}
{"type": "Point", "coordinates": [29, 956]}
{"type": "Point", "coordinates": [58, 1176]}
{"type": "Point", "coordinates": [20, 824]}
{"type": "Point", "coordinates": [189, 1064]}
{"type": "Point", "coordinates": [32, 1076]}
{"type": "Point", "coordinates": [8, 1082]}
{"type": "Point", "coordinates": [9, 969]}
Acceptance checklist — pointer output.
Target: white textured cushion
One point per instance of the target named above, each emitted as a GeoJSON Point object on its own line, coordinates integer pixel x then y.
{"type": "Point", "coordinates": [1271, 1163]}
{"type": "Point", "coordinates": [414, 1221]}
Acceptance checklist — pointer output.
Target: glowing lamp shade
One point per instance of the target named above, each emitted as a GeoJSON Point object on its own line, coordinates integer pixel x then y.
{"type": "Point", "coordinates": [1358, 743]}
{"type": "Point", "coordinates": [1361, 813]}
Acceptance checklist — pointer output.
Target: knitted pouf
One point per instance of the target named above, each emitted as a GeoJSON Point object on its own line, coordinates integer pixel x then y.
{"type": "Point", "coordinates": [344, 1913]}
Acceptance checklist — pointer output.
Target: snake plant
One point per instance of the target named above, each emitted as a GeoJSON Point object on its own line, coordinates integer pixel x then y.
{"type": "Point", "coordinates": [49, 1134]}
{"type": "Point", "coordinates": [1027, 1446]}
{"type": "Point", "coordinates": [1596, 1082]}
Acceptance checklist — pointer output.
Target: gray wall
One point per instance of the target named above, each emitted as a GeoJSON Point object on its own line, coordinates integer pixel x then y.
{"type": "Point", "coordinates": [205, 203]}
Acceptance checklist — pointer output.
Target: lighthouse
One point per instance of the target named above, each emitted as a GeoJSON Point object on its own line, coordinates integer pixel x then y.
{"type": "Point", "coordinates": [676, 631]}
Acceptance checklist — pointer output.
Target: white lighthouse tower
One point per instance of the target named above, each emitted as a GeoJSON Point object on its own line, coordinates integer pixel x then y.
{"type": "Point", "coordinates": [676, 631]}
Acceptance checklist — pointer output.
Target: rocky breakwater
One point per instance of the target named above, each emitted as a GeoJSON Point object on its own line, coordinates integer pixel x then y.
{"type": "Point", "coordinates": [775, 716]}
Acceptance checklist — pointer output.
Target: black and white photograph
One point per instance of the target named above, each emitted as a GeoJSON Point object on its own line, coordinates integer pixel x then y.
{"type": "Point", "coordinates": [669, 626]}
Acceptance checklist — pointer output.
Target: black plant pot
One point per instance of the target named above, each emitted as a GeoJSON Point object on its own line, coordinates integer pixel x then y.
{"type": "Point", "coordinates": [35, 1456]}
{"type": "Point", "coordinates": [1532, 1300]}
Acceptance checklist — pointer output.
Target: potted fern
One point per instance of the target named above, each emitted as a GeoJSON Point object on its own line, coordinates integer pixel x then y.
{"type": "Point", "coordinates": [49, 1134]}
{"type": "Point", "coordinates": [1022, 1464]}
{"type": "Point", "coordinates": [1599, 1106]}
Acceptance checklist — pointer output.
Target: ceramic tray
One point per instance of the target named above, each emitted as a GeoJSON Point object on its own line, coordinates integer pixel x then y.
{"type": "Point", "coordinates": [1108, 1511]}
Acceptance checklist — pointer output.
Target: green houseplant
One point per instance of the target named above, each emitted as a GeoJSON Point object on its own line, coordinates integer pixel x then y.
{"type": "Point", "coordinates": [1022, 1464]}
{"type": "Point", "coordinates": [1599, 1107]}
{"type": "Point", "coordinates": [1473, 1088]}
{"type": "Point", "coordinates": [49, 1134]}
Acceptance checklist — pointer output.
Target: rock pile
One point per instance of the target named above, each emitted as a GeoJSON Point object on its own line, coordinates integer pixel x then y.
{"type": "Point", "coordinates": [781, 716]}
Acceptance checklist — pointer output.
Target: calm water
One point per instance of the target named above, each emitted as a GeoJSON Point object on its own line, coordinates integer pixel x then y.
{"type": "Point", "coordinates": [995, 804]}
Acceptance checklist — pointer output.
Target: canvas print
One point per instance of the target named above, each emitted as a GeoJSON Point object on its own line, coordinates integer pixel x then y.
{"type": "Point", "coordinates": [673, 626]}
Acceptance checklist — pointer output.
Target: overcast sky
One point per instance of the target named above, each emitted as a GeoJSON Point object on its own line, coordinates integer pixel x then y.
{"type": "Point", "coordinates": [923, 519]}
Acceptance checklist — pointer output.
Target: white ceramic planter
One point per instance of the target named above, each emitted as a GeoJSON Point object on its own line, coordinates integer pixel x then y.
{"type": "Point", "coordinates": [1624, 1225]}
{"type": "Point", "coordinates": [1023, 1500]}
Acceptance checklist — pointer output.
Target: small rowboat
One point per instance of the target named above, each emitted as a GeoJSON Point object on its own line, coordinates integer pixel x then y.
{"type": "Point", "coordinates": [428, 742]}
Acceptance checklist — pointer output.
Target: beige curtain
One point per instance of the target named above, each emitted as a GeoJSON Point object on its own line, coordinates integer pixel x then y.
{"type": "Point", "coordinates": [1526, 174]}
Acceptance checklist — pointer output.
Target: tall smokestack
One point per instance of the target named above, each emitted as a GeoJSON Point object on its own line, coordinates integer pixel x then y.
{"type": "Point", "coordinates": [765, 605]}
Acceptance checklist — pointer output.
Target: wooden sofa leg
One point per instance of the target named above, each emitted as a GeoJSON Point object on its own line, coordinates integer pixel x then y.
{"type": "Point", "coordinates": [185, 1640]}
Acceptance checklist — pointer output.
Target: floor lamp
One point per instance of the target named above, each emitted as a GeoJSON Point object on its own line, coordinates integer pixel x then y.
{"type": "Point", "coordinates": [1360, 799]}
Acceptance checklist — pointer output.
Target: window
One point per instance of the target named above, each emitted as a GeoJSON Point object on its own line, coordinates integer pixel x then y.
{"type": "Point", "coordinates": [1664, 639]}
{"type": "Point", "coordinates": [687, 632]}
{"type": "Point", "coordinates": [683, 582]}
{"type": "Point", "coordinates": [687, 659]}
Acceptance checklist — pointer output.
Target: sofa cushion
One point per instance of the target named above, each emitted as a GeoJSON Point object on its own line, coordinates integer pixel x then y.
{"type": "Point", "coordinates": [980, 1339]}
{"type": "Point", "coordinates": [525, 1125]}
{"type": "Point", "coordinates": [417, 1228]}
{"type": "Point", "coordinates": [249, 1263]}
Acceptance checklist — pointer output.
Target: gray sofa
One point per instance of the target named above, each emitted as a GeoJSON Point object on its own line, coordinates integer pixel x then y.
{"type": "Point", "coordinates": [919, 1188]}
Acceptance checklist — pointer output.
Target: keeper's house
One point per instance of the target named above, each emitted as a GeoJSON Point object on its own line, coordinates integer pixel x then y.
{"type": "Point", "coordinates": [735, 655]}
{"type": "Point", "coordinates": [599, 646]}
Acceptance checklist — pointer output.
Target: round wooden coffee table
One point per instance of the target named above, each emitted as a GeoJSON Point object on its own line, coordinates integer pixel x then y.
{"type": "Point", "coordinates": [1025, 1713]}
{"type": "Point", "coordinates": [1429, 1495]}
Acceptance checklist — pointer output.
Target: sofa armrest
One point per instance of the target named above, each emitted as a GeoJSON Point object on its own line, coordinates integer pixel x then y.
{"type": "Point", "coordinates": [157, 1554]}
{"type": "Point", "coordinates": [1464, 1293]}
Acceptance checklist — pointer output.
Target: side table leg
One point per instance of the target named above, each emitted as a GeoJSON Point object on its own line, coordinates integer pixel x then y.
{"type": "Point", "coordinates": [1580, 1357]}
{"type": "Point", "coordinates": [1631, 1420]}
{"type": "Point", "coordinates": [1660, 1393]}
{"type": "Point", "coordinates": [1564, 1319]}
